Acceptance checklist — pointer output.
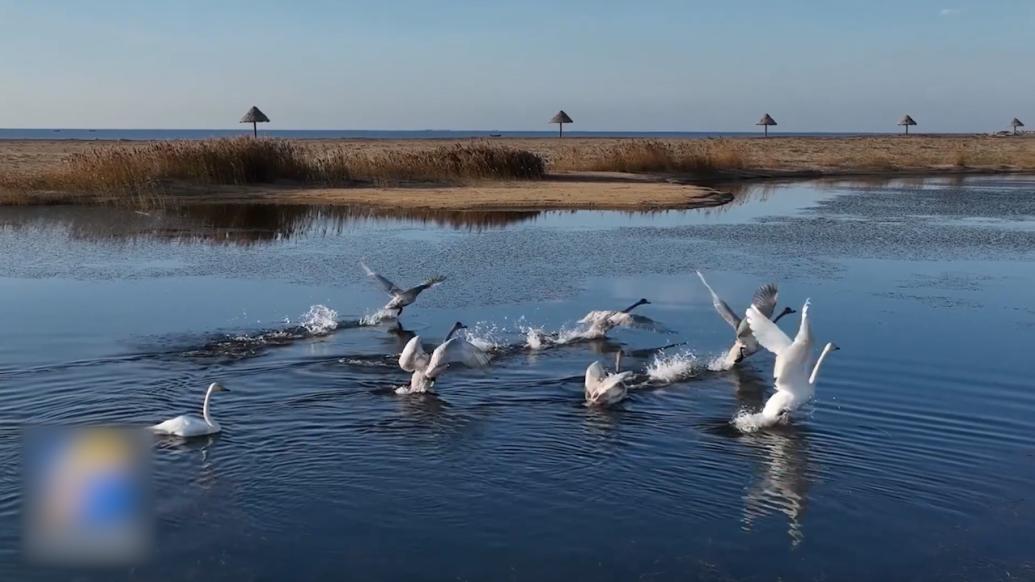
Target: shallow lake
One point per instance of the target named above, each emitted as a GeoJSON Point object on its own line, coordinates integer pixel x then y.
{"type": "Point", "coordinates": [915, 461]}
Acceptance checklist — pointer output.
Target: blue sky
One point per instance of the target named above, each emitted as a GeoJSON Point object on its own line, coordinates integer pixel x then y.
{"type": "Point", "coordinates": [407, 64]}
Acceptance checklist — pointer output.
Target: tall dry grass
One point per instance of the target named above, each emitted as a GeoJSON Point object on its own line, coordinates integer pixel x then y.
{"type": "Point", "coordinates": [139, 171]}
{"type": "Point", "coordinates": [439, 164]}
{"type": "Point", "coordinates": [702, 157]}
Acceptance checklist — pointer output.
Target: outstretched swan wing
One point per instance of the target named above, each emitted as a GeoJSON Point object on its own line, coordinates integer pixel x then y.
{"type": "Point", "coordinates": [721, 306]}
{"type": "Point", "coordinates": [413, 356]}
{"type": "Point", "coordinates": [769, 336]}
{"type": "Point", "coordinates": [765, 299]}
{"type": "Point", "coordinates": [459, 351]}
{"type": "Point", "coordinates": [596, 317]}
{"type": "Point", "coordinates": [638, 321]}
{"type": "Point", "coordinates": [594, 376]}
{"type": "Point", "coordinates": [389, 287]}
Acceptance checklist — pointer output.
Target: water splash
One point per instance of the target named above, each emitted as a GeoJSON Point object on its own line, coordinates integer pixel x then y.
{"type": "Point", "coordinates": [720, 363]}
{"type": "Point", "coordinates": [673, 367]}
{"type": "Point", "coordinates": [319, 320]}
{"type": "Point", "coordinates": [377, 317]}
{"type": "Point", "coordinates": [537, 338]}
{"type": "Point", "coordinates": [750, 422]}
{"type": "Point", "coordinates": [486, 336]}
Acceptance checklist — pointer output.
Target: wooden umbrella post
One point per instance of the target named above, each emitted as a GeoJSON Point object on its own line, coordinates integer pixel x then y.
{"type": "Point", "coordinates": [255, 117]}
{"type": "Point", "coordinates": [765, 122]}
{"type": "Point", "coordinates": [560, 119]}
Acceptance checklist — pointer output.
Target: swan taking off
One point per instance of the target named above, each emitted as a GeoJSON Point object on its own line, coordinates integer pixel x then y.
{"type": "Point", "coordinates": [598, 323]}
{"type": "Point", "coordinates": [426, 369]}
{"type": "Point", "coordinates": [400, 297]}
{"type": "Point", "coordinates": [603, 389]}
{"type": "Point", "coordinates": [794, 384]}
{"type": "Point", "coordinates": [192, 426]}
{"type": "Point", "coordinates": [744, 343]}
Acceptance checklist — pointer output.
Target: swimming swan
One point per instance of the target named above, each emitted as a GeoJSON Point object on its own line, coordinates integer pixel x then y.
{"type": "Point", "coordinates": [603, 389]}
{"type": "Point", "coordinates": [192, 426]}
{"type": "Point", "coordinates": [794, 384]}
{"type": "Point", "coordinates": [400, 297]}
{"type": "Point", "coordinates": [744, 343]}
{"type": "Point", "coordinates": [598, 323]}
{"type": "Point", "coordinates": [427, 369]}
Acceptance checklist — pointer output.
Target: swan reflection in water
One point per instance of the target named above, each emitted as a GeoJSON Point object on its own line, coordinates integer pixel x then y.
{"type": "Point", "coordinates": [785, 472]}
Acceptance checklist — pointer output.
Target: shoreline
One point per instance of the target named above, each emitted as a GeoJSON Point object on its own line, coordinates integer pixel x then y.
{"type": "Point", "coordinates": [580, 171]}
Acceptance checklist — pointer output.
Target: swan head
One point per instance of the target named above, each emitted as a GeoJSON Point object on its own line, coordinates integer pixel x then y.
{"type": "Point", "coordinates": [217, 387]}
{"type": "Point", "coordinates": [833, 347]}
{"type": "Point", "coordinates": [643, 301]}
{"type": "Point", "coordinates": [788, 311]}
{"type": "Point", "coordinates": [458, 326]}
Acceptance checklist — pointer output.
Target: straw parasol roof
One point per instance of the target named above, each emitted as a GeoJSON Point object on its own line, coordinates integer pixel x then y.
{"type": "Point", "coordinates": [766, 120]}
{"type": "Point", "coordinates": [255, 116]}
{"type": "Point", "coordinates": [561, 117]}
{"type": "Point", "coordinates": [906, 120]}
{"type": "Point", "coordinates": [1016, 123]}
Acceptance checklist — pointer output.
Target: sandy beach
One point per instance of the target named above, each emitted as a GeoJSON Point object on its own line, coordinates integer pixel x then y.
{"type": "Point", "coordinates": [580, 171]}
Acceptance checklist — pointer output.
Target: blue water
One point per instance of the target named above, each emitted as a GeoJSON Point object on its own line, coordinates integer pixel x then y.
{"type": "Point", "coordinates": [915, 462]}
{"type": "Point", "coordinates": [155, 134]}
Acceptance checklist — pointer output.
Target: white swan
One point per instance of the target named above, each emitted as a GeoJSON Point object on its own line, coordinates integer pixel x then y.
{"type": "Point", "coordinates": [603, 389]}
{"type": "Point", "coordinates": [598, 323]}
{"type": "Point", "coordinates": [794, 384]}
{"type": "Point", "coordinates": [427, 369]}
{"type": "Point", "coordinates": [191, 426]}
{"type": "Point", "coordinates": [744, 343]}
{"type": "Point", "coordinates": [400, 297]}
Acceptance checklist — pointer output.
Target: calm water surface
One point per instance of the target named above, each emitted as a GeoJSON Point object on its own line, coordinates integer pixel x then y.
{"type": "Point", "coordinates": [915, 462]}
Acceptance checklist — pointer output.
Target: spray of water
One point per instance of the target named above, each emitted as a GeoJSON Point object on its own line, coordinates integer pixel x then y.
{"type": "Point", "coordinates": [486, 336]}
{"type": "Point", "coordinates": [673, 367]}
{"type": "Point", "coordinates": [753, 422]}
{"type": "Point", "coordinates": [319, 320]}
{"type": "Point", "coordinates": [376, 317]}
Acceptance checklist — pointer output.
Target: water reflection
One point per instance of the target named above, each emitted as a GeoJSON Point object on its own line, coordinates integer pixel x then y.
{"type": "Point", "coordinates": [242, 224]}
{"type": "Point", "coordinates": [782, 480]}
{"type": "Point", "coordinates": [247, 224]}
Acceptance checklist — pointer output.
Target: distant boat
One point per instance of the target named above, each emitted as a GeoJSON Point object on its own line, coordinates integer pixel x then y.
{"type": "Point", "coordinates": [495, 134]}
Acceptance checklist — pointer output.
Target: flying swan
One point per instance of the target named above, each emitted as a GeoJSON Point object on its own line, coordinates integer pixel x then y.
{"type": "Point", "coordinates": [598, 323]}
{"type": "Point", "coordinates": [744, 343]}
{"type": "Point", "coordinates": [794, 384]}
{"type": "Point", "coordinates": [400, 297]}
{"type": "Point", "coordinates": [427, 369]}
{"type": "Point", "coordinates": [191, 426]}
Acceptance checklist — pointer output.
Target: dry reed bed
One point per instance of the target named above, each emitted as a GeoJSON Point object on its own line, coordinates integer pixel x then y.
{"type": "Point", "coordinates": [151, 168]}
{"type": "Point", "coordinates": [38, 172]}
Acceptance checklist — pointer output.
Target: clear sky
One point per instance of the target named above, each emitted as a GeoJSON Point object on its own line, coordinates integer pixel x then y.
{"type": "Point", "coordinates": [832, 65]}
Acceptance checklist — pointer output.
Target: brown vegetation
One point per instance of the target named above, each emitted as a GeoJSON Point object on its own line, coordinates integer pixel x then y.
{"type": "Point", "coordinates": [507, 172]}
{"type": "Point", "coordinates": [139, 170]}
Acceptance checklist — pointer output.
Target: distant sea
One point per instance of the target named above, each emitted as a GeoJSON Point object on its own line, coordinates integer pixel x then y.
{"type": "Point", "coordinates": [154, 134]}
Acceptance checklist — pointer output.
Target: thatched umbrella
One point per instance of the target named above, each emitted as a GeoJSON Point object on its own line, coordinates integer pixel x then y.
{"type": "Point", "coordinates": [1016, 123]}
{"type": "Point", "coordinates": [906, 121]}
{"type": "Point", "coordinates": [560, 119]}
{"type": "Point", "coordinates": [765, 122]}
{"type": "Point", "coordinates": [254, 117]}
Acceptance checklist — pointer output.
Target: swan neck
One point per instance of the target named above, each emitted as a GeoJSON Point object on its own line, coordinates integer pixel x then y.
{"type": "Point", "coordinates": [631, 307]}
{"type": "Point", "coordinates": [618, 362]}
{"type": "Point", "coordinates": [204, 409]}
{"type": "Point", "coordinates": [819, 363]}
{"type": "Point", "coordinates": [779, 317]}
{"type": "Point", "coordinates": [452, 331]}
